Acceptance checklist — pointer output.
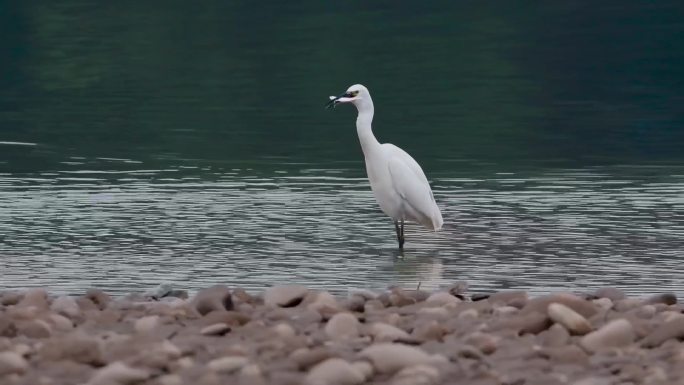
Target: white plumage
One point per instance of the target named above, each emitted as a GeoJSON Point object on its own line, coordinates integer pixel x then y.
{"type": "Point", "coordinates": [397, 180]}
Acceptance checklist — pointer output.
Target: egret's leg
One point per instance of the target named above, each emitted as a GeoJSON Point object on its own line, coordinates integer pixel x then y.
{"type": "Point", "coordinates": [400, 233]}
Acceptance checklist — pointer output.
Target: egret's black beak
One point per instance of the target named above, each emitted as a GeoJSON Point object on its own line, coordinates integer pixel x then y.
{"type": "Point", "coordinates": [334, 100]}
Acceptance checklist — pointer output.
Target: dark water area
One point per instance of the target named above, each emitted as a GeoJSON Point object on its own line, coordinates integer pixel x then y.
{"type": "Point", "coordinates": [187, 143]}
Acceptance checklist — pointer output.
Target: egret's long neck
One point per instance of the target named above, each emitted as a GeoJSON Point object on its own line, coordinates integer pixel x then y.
{"type": "Point", "coordinates": [363, 127]}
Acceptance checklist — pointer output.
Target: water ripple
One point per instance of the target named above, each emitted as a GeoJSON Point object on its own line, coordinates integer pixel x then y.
{"type": "Point", "coordinates": [129, 230]}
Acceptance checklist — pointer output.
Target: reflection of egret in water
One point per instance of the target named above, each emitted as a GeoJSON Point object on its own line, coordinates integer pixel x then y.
{"type": "Point", "coordinates": [410, 271]}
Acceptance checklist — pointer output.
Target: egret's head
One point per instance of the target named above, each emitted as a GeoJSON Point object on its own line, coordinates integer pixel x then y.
{"type": "Point", "coordinates": [355, 94]}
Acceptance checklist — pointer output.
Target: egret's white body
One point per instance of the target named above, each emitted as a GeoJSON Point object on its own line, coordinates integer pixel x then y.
{"type": "Point", "coordinates": [397, 180]}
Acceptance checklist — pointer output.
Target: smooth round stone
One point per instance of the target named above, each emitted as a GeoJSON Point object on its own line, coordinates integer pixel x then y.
{"type": "Point", "coordinates": [227, 364]}
{"type": "Point", "coordinates": [417, 375]}
{"type": "Point", "coordinates": [35, 329]}
{"type": "Point", "coordinates": [217, 329]}
{"type": "Point", "coordinates": [569, 318]}
{"type": "Point", "coordinates": [146, 324]}
{"type": "Point", "coordinates": [334, 371]}
{"type": "Point", "coordinates": [616, 333]}
{"type": "Point", "coordinates": [383, 332]}
{"type": "Point", "coordinates": [285, 295]}
{"type": "Point", "coordinates": [284, 330]}
{"type": "Point", "coordinates": [391, 357]}
{"type": "Point", "coordinates": [12, 363]}
{"type": "Point", "coordinates": [66, 306]}
{"type": "Point", "coordinates": [342, 325]}
{"type": "Point", "coordinates": [364, 367]}
{"type": "Point", "coordinates": [441, 298]}
{"type": "Point", "coordinates": [673, 329]}
{"type": "Point", "coordinates": [37, 298]}
{"type": "Point", "coordinates": [505, 311]}
{"type": "Point", "coordinates": [214, 298]}
{"type": "Point", "coordinates": [118, 373]}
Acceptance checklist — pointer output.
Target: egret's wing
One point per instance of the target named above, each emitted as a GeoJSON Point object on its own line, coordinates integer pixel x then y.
{"type": "Point", "coordinates": [397, 154]}
{"type": "Point", "coordinates": [410, 182]}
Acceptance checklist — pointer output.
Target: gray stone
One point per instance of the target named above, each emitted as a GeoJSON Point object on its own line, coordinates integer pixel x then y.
{"type": "Point", "coordinates": [217, 329]}
{"type": "Point", "coordinates": [671, 329]}
{"type": "Point", "coordinates": [569, 318]}
{"type": "Point", "coordinates": [215, 298]}
{"type": "Point", "coordinates": [334, 371]}
{"type": "Point", "coordinates": [285, 295]}
{"type": "Point", "coordinates": [118, 373]}
{"type": "Point", "coordinates": [392, 357]}
{"type": "Point", "coordinates": [66, 306]}
{"type": "Point", "coordinates": [342, 325]}
{"type": "Point", "coordinates": [12, 363]}
{"type": "Point", "coordinates": [227, 364]}
{"type": "Point", "coordinates": [616, 333]}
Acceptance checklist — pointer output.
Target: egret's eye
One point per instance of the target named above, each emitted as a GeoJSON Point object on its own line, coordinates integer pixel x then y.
{"type": "Point", "coordinates": [353, 93]}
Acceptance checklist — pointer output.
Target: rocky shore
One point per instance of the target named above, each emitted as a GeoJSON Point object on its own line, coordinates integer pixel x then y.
{"type": "Point", "coordinates": [289, 335]}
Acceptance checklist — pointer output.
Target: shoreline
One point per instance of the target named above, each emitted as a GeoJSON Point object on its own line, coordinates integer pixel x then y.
{"type": "Point", "coordinates": [293, 335]}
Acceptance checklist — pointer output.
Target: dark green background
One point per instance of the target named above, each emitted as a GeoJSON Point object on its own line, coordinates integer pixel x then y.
{"type": "Point", "coordinates": [242, 82]}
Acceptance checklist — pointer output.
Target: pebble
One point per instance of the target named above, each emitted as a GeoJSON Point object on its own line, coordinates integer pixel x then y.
{"type": "Point", "coordinates": [214, 298]}
{"type": "Point", "coordinates": [285, 295]}
{"type": "Point", "coordinates": [616, 333]}
{"type": "Point", "coordinates": [364, 367]}
{"type": "Point", "coordinates": [610, 293]}
{"type": "Point", "coordinates": [666, 298]}
{"type": "Point", "coordinates": [98, 298]}
{"type": "Point", "coordinates": [417, 375]}
{"type": "Point", "coordinates": [569, 318]}
{"type": "Point", "coordinates": [170, 379]}
{"type": "Point", "coordinates": [227, 364]}
{"type": "Point", "coordinates": [66, 306]}
{"type": "Point", "coordinates": [334, 371]}
{"type": "Point", "coordinates": [36, 298]}
{"type": "Point", "coordinates": [441, 298]}
{"type": "Point", "coordinates": [118, 373]}
{"type": "Point", "coordinates": [146, 324]}
{"type": "Point", "coordinates": [503, 338]}
{"type": "Point", "coordinates": [35, 329]}
{"type": "Point", "coordinates": [75, 346]}
{"type": "Point", "coordinates": [60, 323]}
{"type": "Point", "coordinates": [391, 357]}
{"type": "Point", "coordinates": [579, 305]}
{"type": "Point", "coordinates": [284, 330]}
{"type": "Point", "coordinates": [383, 332]}
{"type": "Point", "coordinates": [217, 329]}
{"type": "Point", "coordinates": [670, 329]}
{"type": "Point", "coordinates": [12, 363]}
{"type": "Point", "coordinates": [305, 357]}
{"type": "Point", "coordinates": [341, 326]}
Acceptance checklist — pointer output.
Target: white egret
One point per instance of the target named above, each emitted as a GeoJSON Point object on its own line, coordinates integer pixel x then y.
{"type": "Point", "coordinates": [397, 180]}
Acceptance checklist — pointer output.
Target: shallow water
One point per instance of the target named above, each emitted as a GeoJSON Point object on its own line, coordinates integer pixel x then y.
{"type": "Point", "coordinates": [541, 231]}
{"type": "Point", "coordinates": [189, 144]}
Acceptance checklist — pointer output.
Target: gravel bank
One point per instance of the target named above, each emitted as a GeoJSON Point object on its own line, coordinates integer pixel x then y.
{"type": "Point", "coordinates": [289, 335]}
